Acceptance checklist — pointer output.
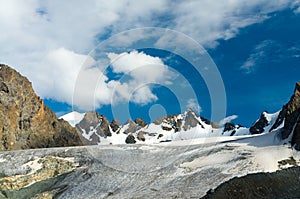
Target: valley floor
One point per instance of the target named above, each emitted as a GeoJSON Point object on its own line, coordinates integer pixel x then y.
{"type": "Point", "coordinates": [182, 169]}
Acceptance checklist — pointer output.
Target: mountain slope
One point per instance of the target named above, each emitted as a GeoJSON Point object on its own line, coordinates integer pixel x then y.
{"type": "Point", "coordinates": [25, 122]}
{"type": "Point", "coordinates": [280, 184]}
{"type": "Point", "coordinates": [96, 129]}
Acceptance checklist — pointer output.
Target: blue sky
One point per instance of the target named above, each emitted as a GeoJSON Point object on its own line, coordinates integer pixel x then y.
{"type": "Point", "coordinates": [254, 45]}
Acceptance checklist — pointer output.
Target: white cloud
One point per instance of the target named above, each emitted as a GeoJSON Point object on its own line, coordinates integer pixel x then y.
{"type": "Point", "coordinates": [139, 71]}
{"type": "Point", "coordinates": [228, 119]}
{"type": "Point", "coordinates": [297, 11]}
{"type": "Point", "coordinates": [193, 104]}
{"type": "Point", "coordinates": [126, 62]}
{"type": "Point", "coordinates": [49, 40]}
{"type": "Point", "coordinates": [259, 52]}
{"type": "Point", "coordinates": [296, 6]}
{"type": "Point", "coordinates": [208, 21]}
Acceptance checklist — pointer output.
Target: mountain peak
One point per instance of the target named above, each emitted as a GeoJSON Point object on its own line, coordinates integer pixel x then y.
{"type": "Point", "coordinates": [25, 122]}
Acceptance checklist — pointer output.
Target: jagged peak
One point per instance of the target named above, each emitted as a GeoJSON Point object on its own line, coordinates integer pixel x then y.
{"type": "Point", "coordinates": [31, 124]}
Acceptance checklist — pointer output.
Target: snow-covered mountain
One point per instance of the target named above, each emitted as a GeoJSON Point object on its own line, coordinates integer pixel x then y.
{"type": "Point", "coordinates": [265, 124]}
{"type": "Point", "coordinates": [96, 129]}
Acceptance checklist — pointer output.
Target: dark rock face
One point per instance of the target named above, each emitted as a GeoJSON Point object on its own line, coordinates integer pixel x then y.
{"type": "Point", "coordinates": [130, 139]}
{"type": "Point", "coordinates": [292, 120]}
{"type": "Point", "coordinates": [290, 115]}
{"type": "Point", "coordinates": [296, 137]}
{"type": "Point", "coordinates": [280, 118]}
{"type": "Point", "coordinates": [229, 126]}
{"type": "Point", "coordinates": [25, 122]}
{"type": "Point", "coordinates": [115, 125]}
{"type": "Point", "coordinates": [104, 126]}
{"type": "Point", "coordinates": [259, 125]}
{"type": "Point", "coordinates": [281, 184]}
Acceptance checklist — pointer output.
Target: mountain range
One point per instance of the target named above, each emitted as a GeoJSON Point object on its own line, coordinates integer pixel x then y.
{"type": "Point", "coordinates": [176, 156]}
{"type": "Point", "coordinates": [96, 129]}
{"type": "Point", "coordinates": [26, 122]}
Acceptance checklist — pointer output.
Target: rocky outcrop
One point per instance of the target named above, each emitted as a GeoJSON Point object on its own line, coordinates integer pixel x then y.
{"type": "Point", "coordinates": [141, 136]}
{"type": "Point", "coordinates": [280, 184]}
{"type": "Point", "coordinates": [140, 122]}
{"type": "Point", "coordinates": [25, 122]}
{"type": "Point", "coordinates": [170, 122]}
{"type": "Point", "coordinates": [93, 126]}
{"type": "Point", "coordinates": [191, 120]}
{"type": "Point", "coordinates": [130, 139]}
{"type": "Point", "coordinates": [259, 125]}
{"type": "Point", "coordinates": [292, 118]}
{"type": "Point", "coordinates": [229, 126]}
{"type": "Point", "coordinates": [296, 136]}
{"type": "Point", "coordinates": [280, 119]}
{"type": "Point", "coordinates": [290, 115]}
{"type": "Point", "coordinates": [115, 125]}
{"type": "Point", "coordinates": [292, 112]}
{"type": "Point", "coordinates": [185, 121]}
{"type": "Point", "coordinates": [132, 127]}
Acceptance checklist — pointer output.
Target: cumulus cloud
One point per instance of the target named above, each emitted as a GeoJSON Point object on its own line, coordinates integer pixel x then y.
{"type": "Point", "coordinates": [135, 74]}
{"type": "Point", "coordinates": [228, 119]}
{"type": "Point", "coordinates": [49, 40]}
{"type": "Point", "coordinates": [139, 72]}
{"type": "Point", "coordinates": [193, 104]}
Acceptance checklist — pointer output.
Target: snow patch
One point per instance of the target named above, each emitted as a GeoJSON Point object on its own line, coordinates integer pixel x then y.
{"type": "Point", "coordinates": [73, 118]}
{"type": "Point", "coordinates": [33, 165]}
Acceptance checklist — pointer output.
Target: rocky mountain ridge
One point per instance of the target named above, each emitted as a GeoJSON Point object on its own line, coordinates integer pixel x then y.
{"type": "Point", "coordinates": [96, 129]}
{"type": "Point", "coordinates": [25, 122]}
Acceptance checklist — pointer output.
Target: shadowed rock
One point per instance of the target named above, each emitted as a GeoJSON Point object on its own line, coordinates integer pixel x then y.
{"type": "Point", "coordinates": [281, 184]}
{"type": "Point", "coordinates": [115, 125]}
{"type": "Point", "coordinates": [259, 125]}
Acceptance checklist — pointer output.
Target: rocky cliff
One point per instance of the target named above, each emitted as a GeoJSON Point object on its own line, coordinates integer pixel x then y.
{"type": "Point", "coordinates": [290, 115]}
{"type": "Point", "coordinates": [292, 118]}
{"type": "Point", "coordinates": [25, 122]}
